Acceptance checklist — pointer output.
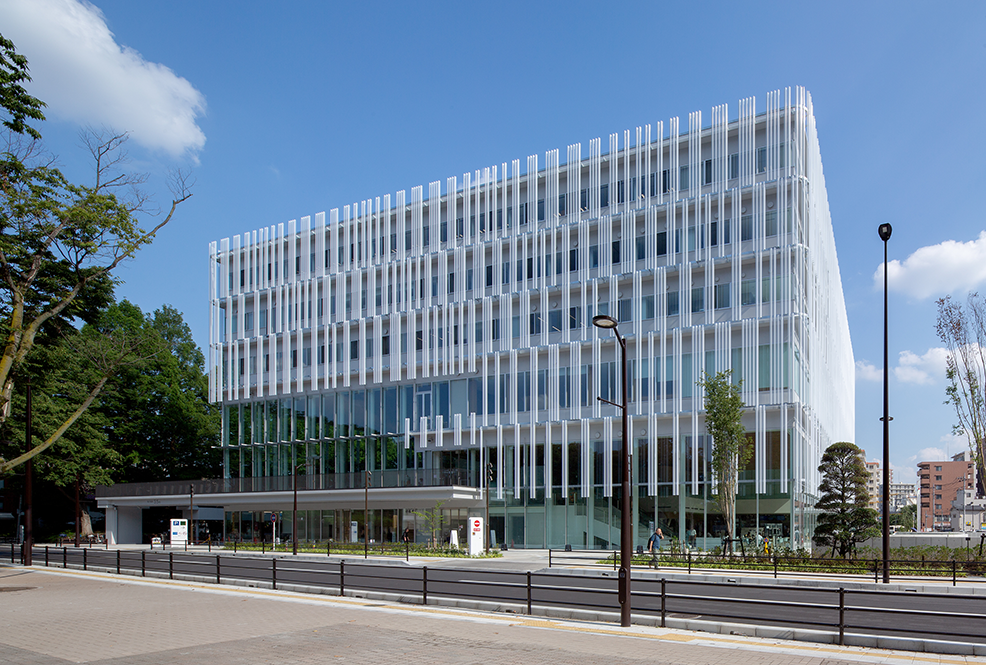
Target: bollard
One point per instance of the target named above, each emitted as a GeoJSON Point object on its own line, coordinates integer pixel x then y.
{"type": "Point", "coordinates": [64, 557]}
{"type": "Point", "coordinates": [171, 565]}
{"type": "Point", "coordinates": [407, 552]}
{"type": "Point", "coordinates": [664, 601]}
{"type": "Point", "coordinates": [85, 560]}
{"type": "Point", "coordinates": [273, 572]}
{"type": "Point", "coordinates": [217, 569]}
{"type": "Point", "coordinates": [529, 592]}
{"type": "Point", "coordinates": [424, 585]}
{"type": "Point", "coordinates": [342, 577]}
{"type": "Point", "coordinates": [328, 548]}
{"type": "Point", "coordinates": [842, 616]}
{"type": "Point", "coordinates": [12, 559]}
{"type": "Point", "coordinates": [143, 564]}
{"type": "Point", "coordinates": [118, 562]}
{"type": "Point", "coordinates": [953, 572]}
{"type": "Point", "coordinates": [775, 566]}
{"type": "Point", "coordinates": [549, 558]}
{"type": "Point", "coordinates": [689, 563]}
{"type": "Point", "coordinates": [234, 547]}
{"type": "Point", "coordinates": [46, 556]}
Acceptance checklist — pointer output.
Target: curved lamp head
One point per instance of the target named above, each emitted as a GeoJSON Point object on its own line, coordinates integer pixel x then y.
{"type": "Point", "coordinates": [885, 230]}
{"type": "Point", "coordinates": [604, 321]}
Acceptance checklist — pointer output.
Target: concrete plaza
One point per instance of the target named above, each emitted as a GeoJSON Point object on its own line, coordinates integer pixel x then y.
{"type": "Point", "coordinates": [58, 616]}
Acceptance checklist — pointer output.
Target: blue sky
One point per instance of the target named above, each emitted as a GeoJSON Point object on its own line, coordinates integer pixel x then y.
{"type": "Point", "coordinates": [289, 109]}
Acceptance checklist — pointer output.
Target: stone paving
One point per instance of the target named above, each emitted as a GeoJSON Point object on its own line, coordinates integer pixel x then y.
{"type": "Point", "coordinates": [56, 616]}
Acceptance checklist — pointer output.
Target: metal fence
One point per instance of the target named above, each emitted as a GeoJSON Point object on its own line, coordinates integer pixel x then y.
{"type": "Point", "coordinates": [902, 569]}
{"type": "Point", "coordinates": [838, 611]}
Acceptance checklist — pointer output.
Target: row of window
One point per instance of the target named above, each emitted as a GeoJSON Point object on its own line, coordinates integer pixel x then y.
{"type": "Point", "coordinates": [642, 249]}
{"type": "Point", "coordinates": [388, 454]}
{"type": "Point", "coordinates": [524, 391]}
{"type": "Point", "coordinates": [555, 320]}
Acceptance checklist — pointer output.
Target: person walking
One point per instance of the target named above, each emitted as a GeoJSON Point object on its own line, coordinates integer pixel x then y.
{"type": "Point", "coordinates": [654, 542]}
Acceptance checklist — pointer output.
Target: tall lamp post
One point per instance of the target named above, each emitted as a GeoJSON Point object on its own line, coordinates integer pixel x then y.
{"type": "Point", "coordinates": [366, 516]}
{"type": "Point", "coordinates": [885, 230]}
{"type": "Point", "coordinates": [294, 514]}
{"type": "Point", "coordinates": [626, 521]}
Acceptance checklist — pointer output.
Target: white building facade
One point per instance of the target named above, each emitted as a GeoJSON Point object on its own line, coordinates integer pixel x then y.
{"type": "Point", "coordinates": [443, 336]}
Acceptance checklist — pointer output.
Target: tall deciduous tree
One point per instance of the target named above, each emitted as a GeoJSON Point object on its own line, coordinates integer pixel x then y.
{"type": "Point", "coordinates": [158, 412]}
{"type": "Point", "coordinates": [730, 452]}
{"type": "Point", "coordinates": [59, 241]}
{"type": "Point", "coordinates": [963, 331]}
{"type": "Point", "coordinates": [845, 517]}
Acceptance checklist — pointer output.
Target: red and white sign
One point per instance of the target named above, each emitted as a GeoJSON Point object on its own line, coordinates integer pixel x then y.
{"type": "Point", "coordinates": [475, 535]}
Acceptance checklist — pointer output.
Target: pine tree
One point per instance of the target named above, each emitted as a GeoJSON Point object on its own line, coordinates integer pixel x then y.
{"type": "Point", "coordinates": [845, 516]}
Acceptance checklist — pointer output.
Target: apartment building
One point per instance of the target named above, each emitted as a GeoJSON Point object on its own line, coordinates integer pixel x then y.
{"type": "Point", "coordinates": [939, 482]}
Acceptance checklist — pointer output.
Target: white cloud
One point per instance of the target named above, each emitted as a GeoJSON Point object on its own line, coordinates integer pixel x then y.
{"type": "Point", "coordinates": [925, 369]}
{"type": "Point", "coordinates": [867, 372]}
{"type": "Point", "coordinates": [904, 474]}
{"type": "Point", "coordinates": [935, 270]}
{"type": "Point", "coordinates": [930, 454]}
{"type": "Point", "coordinates": [84, 76]}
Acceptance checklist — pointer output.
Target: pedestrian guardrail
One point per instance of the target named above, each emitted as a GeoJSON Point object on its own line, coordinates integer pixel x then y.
{"type": "Point", "coordinates": [901, 569]}
{"type": "Point", "coordinates": [838, 610]}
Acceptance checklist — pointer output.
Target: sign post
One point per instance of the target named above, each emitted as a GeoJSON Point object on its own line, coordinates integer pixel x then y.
{"type": "Point", "coordinates": [179, 532]}
{"type": "Point", "coordinates": [475, 536]}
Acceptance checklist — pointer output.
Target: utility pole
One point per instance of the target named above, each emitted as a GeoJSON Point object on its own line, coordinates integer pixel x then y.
{"type": "Point", "coordinates": [191, 518]}
{"type": "Point", "coordinates": [366, 516]}
{"type": "Point", "coordinates": [486, 533]}
{"type": "Point", "coordinates": [27, 556]}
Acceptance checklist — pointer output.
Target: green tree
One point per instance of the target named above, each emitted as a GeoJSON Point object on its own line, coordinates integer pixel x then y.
{"type": "Point", "coordinates": [432, 520]}
{"type": "Point", "coordinates": [61, 242]}
{"type": "Point", "coordinates": [730, 451]}
{"type": "Point", "coordinates": [906, 518]}
{"type": "Point", "coordinates": [157, 412]}
{"type": "Point", "coordinates": [963, 331]}
{"type": "Point", "coordinates": [14, 100]}
{"type": "Point", "coordinates": [845, 517]}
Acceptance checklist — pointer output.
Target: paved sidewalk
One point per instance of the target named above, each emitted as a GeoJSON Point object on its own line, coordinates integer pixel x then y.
{"type": "Point", "coordinates": [55, 616]}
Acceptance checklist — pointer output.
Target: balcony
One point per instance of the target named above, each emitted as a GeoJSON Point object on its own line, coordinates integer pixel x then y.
{"type": "Point", "coordinates": [328, 481]}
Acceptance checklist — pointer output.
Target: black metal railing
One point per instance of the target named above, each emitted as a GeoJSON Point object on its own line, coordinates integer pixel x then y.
{"type": "Point", "coordinates": [844, 613]}
{"type": "Point", "coordinates": [954, 570]}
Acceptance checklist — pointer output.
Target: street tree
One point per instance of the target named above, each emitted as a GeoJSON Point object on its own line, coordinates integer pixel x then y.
{"type": "Point", "coordinates": [905, 518]}
{"type": "Point", "coordinates": [730, 448]}
{"type": "Point", "coordinates": [157, 412]}
{"type": "Point", "coordinates": [432, 521]}
{"type": "Point", "coordinates": [963, 331]}
{"type": "Point", "coordinates": [60, 242]}
{"type": "Point", "coordinates": [845, 517]}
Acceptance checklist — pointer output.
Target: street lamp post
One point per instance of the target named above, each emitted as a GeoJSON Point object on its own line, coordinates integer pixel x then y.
{"type": "Point", "coordinates": [294, 514]}
{"type": "Point", "coordinates": [626, 520]}
{"type": "Point", "coordinates": [191, 515]}
{"type": "Point", "coordinates": [28, 551]}
{"type": "Point", "coordinates": [486, 527]}
{"type": "Point", "coordinates": [366, 516]}
{"type": "Point", "coordinates": [885, 230]}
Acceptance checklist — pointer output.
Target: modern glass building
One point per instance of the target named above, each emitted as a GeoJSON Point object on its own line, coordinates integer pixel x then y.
{"type": "Point", "coordinates": [443, 338]}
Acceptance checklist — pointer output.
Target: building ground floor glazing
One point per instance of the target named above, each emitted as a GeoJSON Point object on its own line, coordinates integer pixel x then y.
{"type": "Point", "coordinates": [581, 509]}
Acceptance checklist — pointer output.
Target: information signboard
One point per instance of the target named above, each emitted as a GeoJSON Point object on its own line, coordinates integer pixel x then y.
{"type": "Point", "coordinates": [179, 532]}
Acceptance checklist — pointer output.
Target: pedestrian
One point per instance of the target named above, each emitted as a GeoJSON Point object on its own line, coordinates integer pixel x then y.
{"type": "Point", "coordinates": [654, 542]}
{"type": "Point", "coordinates": [406, 536]}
